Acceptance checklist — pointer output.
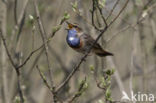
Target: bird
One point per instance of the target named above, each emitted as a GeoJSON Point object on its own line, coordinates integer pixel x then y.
{"type": "Point", "coordinates": [78, 40]}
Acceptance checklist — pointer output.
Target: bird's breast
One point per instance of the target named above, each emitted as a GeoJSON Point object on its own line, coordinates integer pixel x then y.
{"type": "Point", "coordinates": [73, 42]}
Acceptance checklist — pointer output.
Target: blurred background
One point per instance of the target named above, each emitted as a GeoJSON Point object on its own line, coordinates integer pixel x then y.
{"type": "Point", "coordinates": [131, 38]}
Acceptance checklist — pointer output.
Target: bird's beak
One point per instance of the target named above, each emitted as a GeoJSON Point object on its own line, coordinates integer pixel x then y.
{"type": "Point", "coordinates": [69, 25]}
{"type": "Point", "coordinates": [67, 29]}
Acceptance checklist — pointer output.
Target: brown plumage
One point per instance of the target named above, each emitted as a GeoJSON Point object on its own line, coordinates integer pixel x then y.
{"type": "Point", "coordinates": [86, 41]}
{"type": "Point", "coordinates": [97, 49]}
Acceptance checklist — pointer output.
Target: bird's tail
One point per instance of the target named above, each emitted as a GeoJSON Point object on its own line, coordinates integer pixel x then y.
{"type": "Point", "coordinates": [102, 53]}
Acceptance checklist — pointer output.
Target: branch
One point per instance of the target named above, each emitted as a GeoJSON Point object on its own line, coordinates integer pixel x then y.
{"type": "Point", "coordinates": [7, 51]}
{"type": "Point", "coordinates": [15, 12]}
{"type": "Point", "coordinates": [56, 55]}
{"type": "Point", "coordinates": [30, 55]}
{"type": "Point", "coordinates": [83, 86]}
{"type": "Point", "coordinates": [19, 21]}
{"type": "Point", "coordinates": [51, 89]}
{"type": "Point", "coordinates": [37, 58]}
{"type": "Point", "coordinates": [100, 10]}
{"type": "Point", "coordinates": [44, 38]}
{"type": "Point", "coordinates": [131, 26]}
{"type": "Point", "coordinates": [119, 12]}
{"type": "Point", "coordinates": [15, 67]}
{"type": "Point", "coordinates": [44, 79]}
{"type": "Point", "coordinates": [19, 89]}
{"type": "Point", "coordinates": [92, 13]}
{"type": "Point", "coordinates": [112, 9]}
{"type": "Point", "coordinates": [40, 47]}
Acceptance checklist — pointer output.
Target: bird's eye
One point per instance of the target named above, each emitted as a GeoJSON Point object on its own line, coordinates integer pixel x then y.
{"type": "Point", "coordinates": [75, 26]}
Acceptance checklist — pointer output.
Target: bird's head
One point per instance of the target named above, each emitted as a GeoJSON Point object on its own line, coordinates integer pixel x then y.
{"type": "Point", "coordinates": [73, 27]}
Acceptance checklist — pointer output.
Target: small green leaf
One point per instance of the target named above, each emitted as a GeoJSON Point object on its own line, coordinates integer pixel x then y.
{"type": "Point", "coordinates": [74, 6]}
{"type": "Point", "coordinates": [92, 68]}
{"type": "Point", "coordinates": [108, 72]}
{"type": "Point", "coordinates": [109, 99]}
{"type": "Point", "coordinates": [103, 82]}
{"type": "Point", "coordinates": [102, 3]}
{"type": "Point", "coordinates": [108, 93]}
{"type": "Point", "coordinates": [144, 14]}
{"type": "Point", "coordinates": [56, 28]}
{"type": "Point", "coordinates": [82, 87]}
{"type": "Point", "coordinates": [85, 85]}
{"type": "Point", "coordinates": [108, 79]}
{"type": "Point", "coordinates": [100, 101]}
{"type": "Point", "coordinates": [66, 16]}
{"type": "Point", "coordinates": [113, 70]}
{"type": "Point", "coordinates": [31, 19]}
{"type": "Point", "coordinates": [17, 99]}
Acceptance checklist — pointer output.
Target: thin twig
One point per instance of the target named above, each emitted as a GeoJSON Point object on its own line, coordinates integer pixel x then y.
{"type": "Point", "coordinates": [112, 9]}
{"type": "Point", "coordinates": [96, 5]}
{"type": "Point", "coordinates": [92, 15]}
{"type": "Point", "coordinates": [43, 78]}
{"type": "Point", "coordinates": [4, 64]}
{"type": "Point", "coordinates": [44, 38]}
{"type": "Point", "coordinates": [56, 55]}
{"type": "Point", "coordinates": [130, 26]}
{"type": "Point", "coordinates": [33, 64]}
{"type": "Point", "coordinates": [30, 55]}
{"type": "Point", "coordinates": [20, 19]}
{"type": "Point", "coordinates": [15, 11]}
{"type": "Point", "coordinates": [117, 33]}
{"type": "Point", "coordinates": [119, 13]}
{"type": "Point", "coordinates": [34, 51]}
{"type": "Point", "coordinates": [19, 89]}
{"type": "Point", "coordinates": [7, 51]}
{"type": "Point", "coordinates": [122, 19]}
{"type": "Point", "coordinates": [117, 76]}
{"type": "Point", "coordinates": [15, 67]}
{"type": "Point", "coordinates": [18, 26]}
{"type": "Point", "coordinates": [78, 93]}
{"type": "Point", "coordinates": [103, 18]}
{"type": "Point", "coordinates": [51, 89]}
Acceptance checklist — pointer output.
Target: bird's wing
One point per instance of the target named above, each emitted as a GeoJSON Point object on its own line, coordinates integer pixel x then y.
{"type": "Point", "coordinates": [97, 49]}
{"type": "Point", "coordinates": [89, 41]}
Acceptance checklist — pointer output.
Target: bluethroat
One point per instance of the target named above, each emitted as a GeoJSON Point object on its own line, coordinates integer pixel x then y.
{"type": "Point", "coordinates": [81, 42]}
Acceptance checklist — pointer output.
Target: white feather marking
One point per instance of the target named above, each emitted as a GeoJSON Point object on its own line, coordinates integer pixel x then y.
{"type": "Point", "coordinates": [71, 38]}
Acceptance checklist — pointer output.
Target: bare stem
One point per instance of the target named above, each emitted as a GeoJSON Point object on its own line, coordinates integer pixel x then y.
{"type": "Point", "coordinates": [44, 38]}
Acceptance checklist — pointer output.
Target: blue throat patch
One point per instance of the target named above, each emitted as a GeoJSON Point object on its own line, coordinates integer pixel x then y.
{"type": "Point", "coordinates": [72, 38]}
